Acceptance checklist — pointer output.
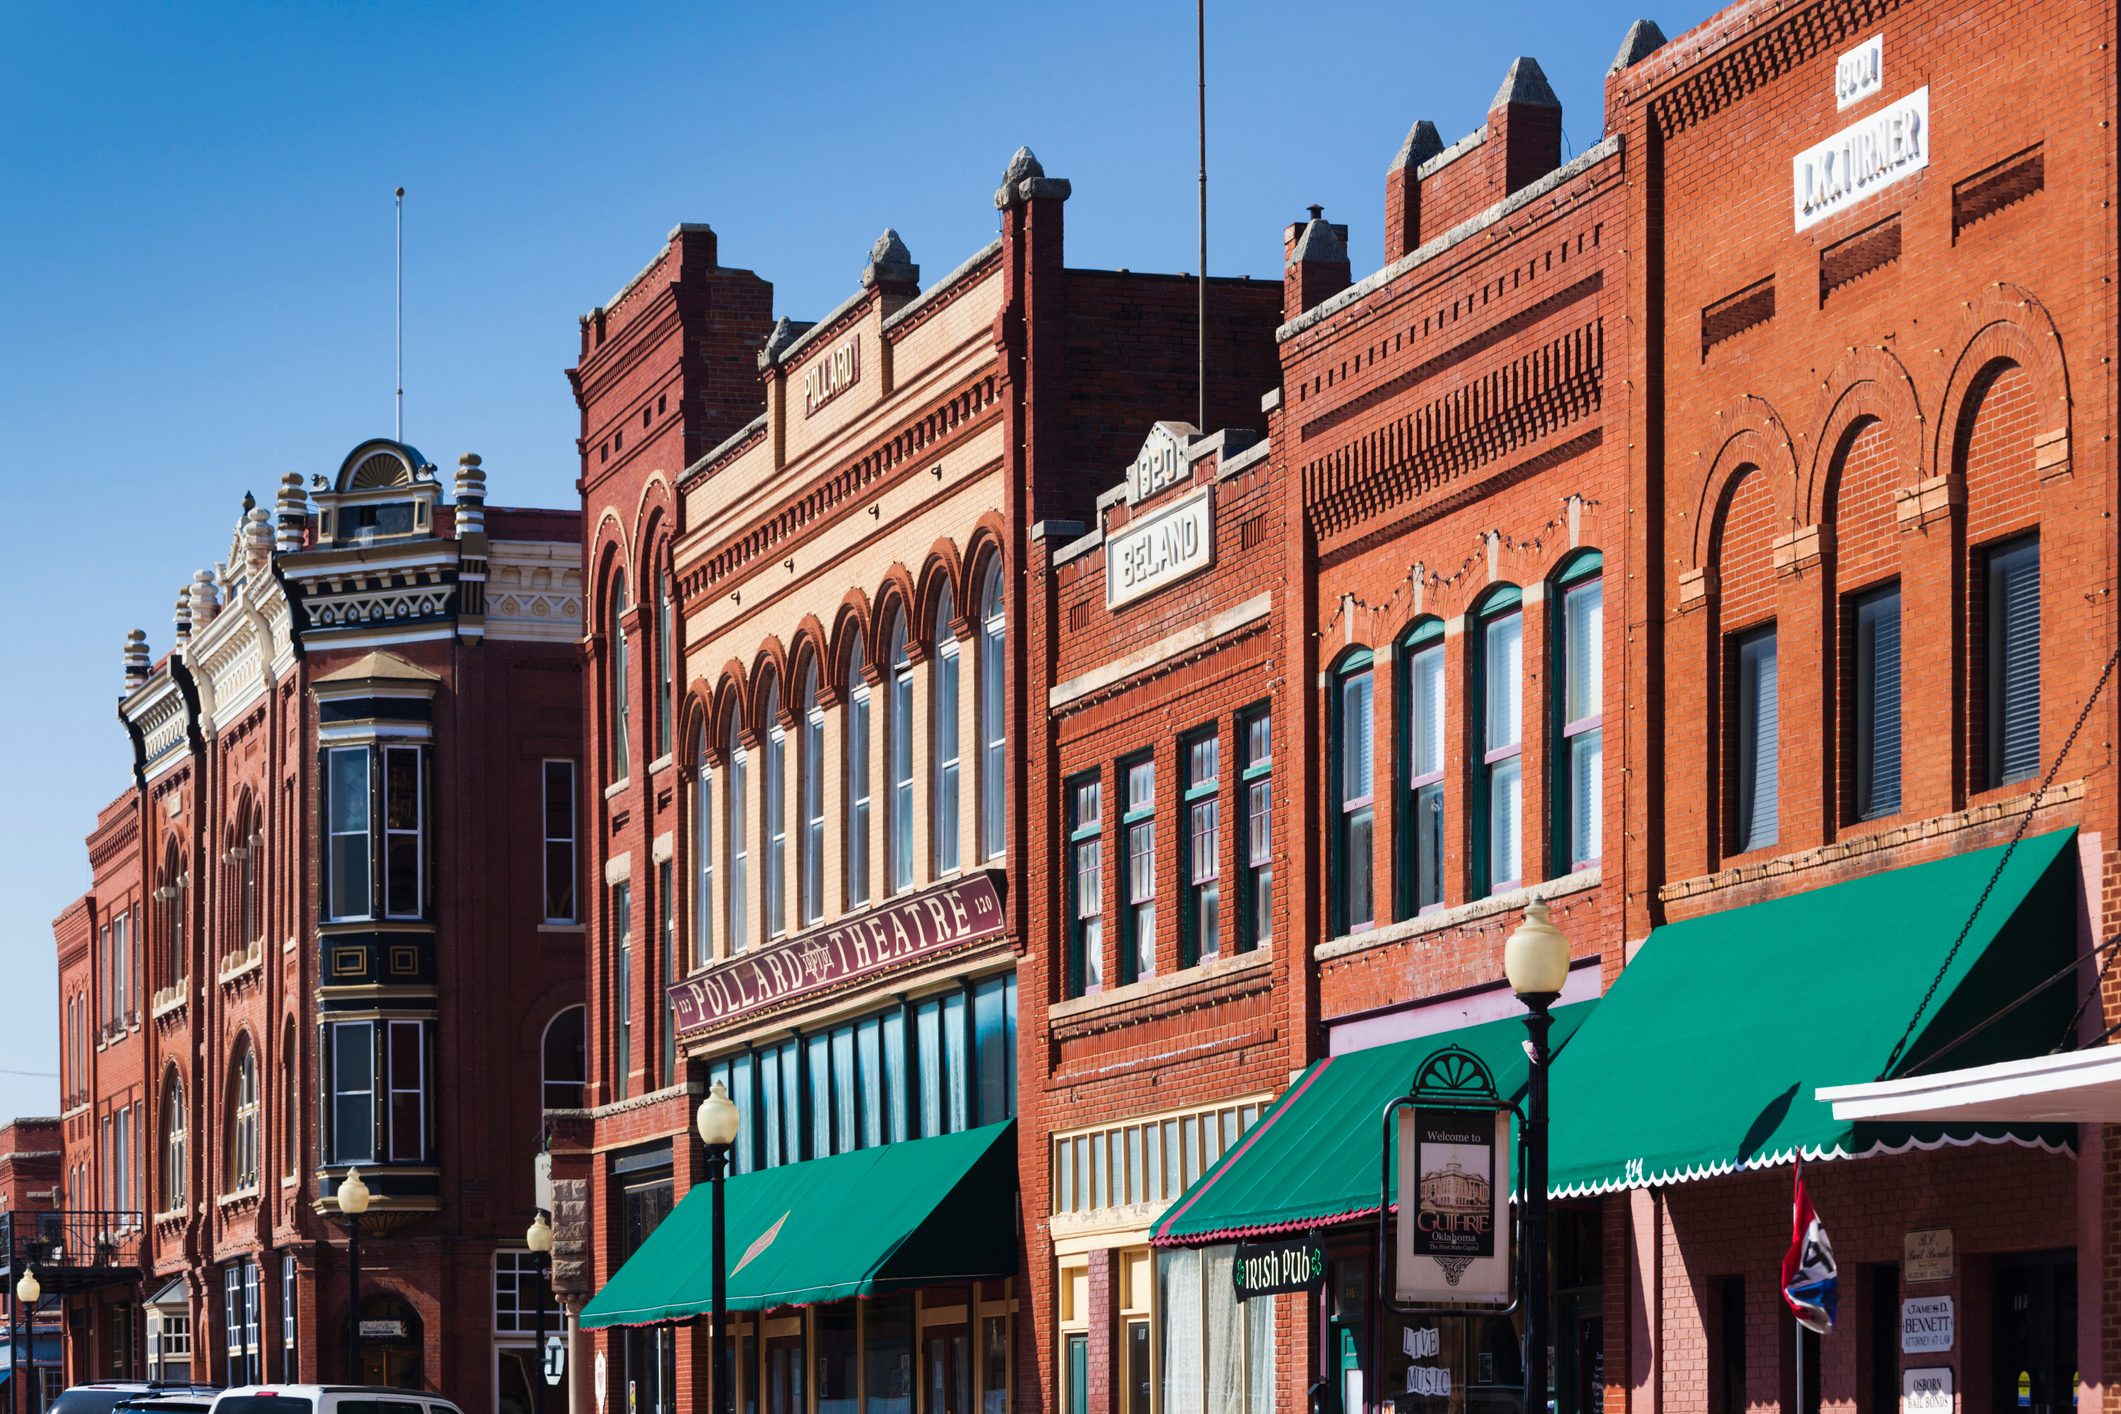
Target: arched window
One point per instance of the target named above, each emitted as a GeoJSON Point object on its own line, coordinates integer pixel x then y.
{"type": "Point", "coordinates": [1500, 776]}
{"type": "Point", "coordinates": [171, 895]}
{"type": "Point", "coordinates": [290, 1108]}
{"type": "Point", "coordinates": [566, 1059]}
{"type": "Point", "coordinates": [775, 789]}
{"type": "Point", "coordinates": [665, 665]}
{"type": "Point", "coordinates": [898, 726]}
{"type": "Point", "coordinates": [242, 1160]}
{"type": "Point", "coordinates": [857, 773]}
{"type": "Point", "coordinates": [615, 651]}
{"type": "Point", "coordinates": [993, 714]}
{"type": "Point", "coordinates": [250, 841]}
{"type": "Point", "coordinates": [810, 774]}
{"type": "Point", "coordinates": [702, 853]}
{"type": "Point", "coordinates": [943, 737]}
{"type": "Point", "coordinates": [175, 1142]}
{"type": "Point", "coordinates": [734, 767]}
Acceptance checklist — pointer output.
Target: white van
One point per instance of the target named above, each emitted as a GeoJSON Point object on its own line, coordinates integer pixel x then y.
{"type": "Point", "coordinates": [328, 1399]}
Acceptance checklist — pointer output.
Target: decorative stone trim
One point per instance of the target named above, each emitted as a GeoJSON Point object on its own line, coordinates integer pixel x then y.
{"type": "Point", "coordinates": [234, 965]}
{"type": "Point", "coordinates": [1862, 846]}
{"type": "Point", "coordinates": [2051, 455]}
{"type": "Point", "coordinates": [1927, 501]}
{"type": "Point", "coordinates": [1802, 549]}
{"type": "Point", "coordinates": [1696, 588]}
{"type": "Point", "coordinates": [1443, 920]}
{"type": "Point", "coordinates": [1188, 988]}
{"type": "Point", "coordinates": [170, 999]}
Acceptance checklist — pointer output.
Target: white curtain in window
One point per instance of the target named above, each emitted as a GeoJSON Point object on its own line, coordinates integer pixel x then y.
{"type": "Point", "coordinates": [1225, 1328]}
{"type": "Point", "coordinates": [1178, 1292]}
{"type": "Point", "coordinates": [1259, 1356]}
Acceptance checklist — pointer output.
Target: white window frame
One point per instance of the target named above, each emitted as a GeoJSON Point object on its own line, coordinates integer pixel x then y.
{"type": "Point", "coordinates": [340, 1154]}
{"type": "Point", "coordinates": [993, 704]}
{"type": "Point", "coordinates": [810, 788]}
{"type": "Point", "coordinates": [856, 770]}
{"type": "Point", "coordinates": [1582, 723]}
{"type": "Point", "coordinates": [944, 742]}
{"type": "Point", "coordinates": [736, 827]}
{"type": "Point", "coordinates": [898, 759]}
{"type": "Point", "coordinates": [773, 790]}
{"type": "Point", "coordinates": [337, 891]}
{"type": "Point", "coordinates": [418, 832]}
{"type": "Point", "coordinates": [1502, 742]}
{"type": "Point", "coordinates": [703, 856]}
{"type": "Point", "coordinates": [243, 1120]}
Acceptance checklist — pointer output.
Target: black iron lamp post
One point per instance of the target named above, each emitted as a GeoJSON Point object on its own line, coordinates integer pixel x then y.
{"type": "Point", "coordinates": [718, 1120]}
{"type": "Point", "coordinates": [28, 1292]}
{"type": "Point", "coordinates": [353, 1202]}
{"type": "Point", "coordinates": [539, 1240]}
{"type": "Point", "coordinates": [1536, 960]}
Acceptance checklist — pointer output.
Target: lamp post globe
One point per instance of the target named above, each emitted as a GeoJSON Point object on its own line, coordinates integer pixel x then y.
{"type": "Point", "coordinates": [539, 1237]}
{"type": "Point", "coordinates": [717, 1119]}
{"type": "Point", "coordinates": [29, 1291]}
{"type": "Point", "coordinates": [353, 1194]}
{"type": "Point", "coordinates": [1536, 958]}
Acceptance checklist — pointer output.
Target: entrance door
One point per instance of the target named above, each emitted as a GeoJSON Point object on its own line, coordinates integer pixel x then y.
{"type": "Point", "coordinates": [784, 1375]}
{"type": "Point", "coordinates": [518, 1379]}
{"type": "Point", "coordinates": [2035, 1349]}
{"type": "Point", "coordinates": [946, 1362]}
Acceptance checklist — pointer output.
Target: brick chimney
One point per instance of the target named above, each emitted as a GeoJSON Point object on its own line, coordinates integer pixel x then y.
{"type": "Point", "coordinates": [1314, 263]}
{"type": "Point", "coordinates": [1524, 129]}
{"type": "Point", "coordinates": [1403, 189]}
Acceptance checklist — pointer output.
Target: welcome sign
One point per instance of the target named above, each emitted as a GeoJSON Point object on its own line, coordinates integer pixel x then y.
{"type": "Point", "coordinates": [1452, 1244]}
{"type": "Point", "coordinates": [906, 930]}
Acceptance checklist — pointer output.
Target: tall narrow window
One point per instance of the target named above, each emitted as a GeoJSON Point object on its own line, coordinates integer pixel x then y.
{"type": "Point", "coordinates": [1502, 742]}
{"type": "Point", "coordinates": [1757, 739]}
{"type": "Point", "coordinates": [1256, 922]}
{"type": "Point", "coordinates": [1421, 832]}
{"type": "Point", "coordinates": [406, 1070]}
{"type": "Point", "coordinates": [899, 727]}
{"type": "Point", "coordinates": [404, 832]}
{"type": "Point", "coordinates": [565, 1068]}
{"type": "Point", "coordinates": [775, 789]}
{"type": "Point", "coordinates": [346, 810]}
{"type": "Point", "coordinates": [353, 1092]}
{"type": "Point", "coordinates": [734, 825]}
{"type": "Point", "coordinates": [943, 739]}
{"type": "Point", "coordinates": [2013, 634]}
{"type": "Point", "coordinates": [810, 770]}
{"type": "Point", "coordinates": [1201, 923]}
{"type": "Point", "coordinates": [1354, 768]}
{"type": "Point", "coordinates": [175, 1140]}
{"type": "Point", "coordinates": [702, 853]}
{"type": "Point", "coordinates": [177, 965]}
{"type": "Point", "coordinates": [666, 943]}
{"type": "Point", "coordinates": [1875, 619]}
{"type": "Point", "coordinates": [622, 990]}
{"type": "Point", "coordinates": [993, 714]}
{"type": "Point", "coordinates": [1086, 887]}
{"type": "Point", "coordinates": [560, 859]}
{"type": "Point", "coordinates": [665, 666]}
{"type": "Point", "coordinates": [1579, 775]}
{"type": "Point", "coordinates": [1137, 921]}
{"type": "Point", "coordinates": [857, 772]}
{"type": "Point", "coordinates": [249, 840]}
{"type": "Point", "coordinates": [243, 1123]}
{"type": "Point", "coordinates": [615, 660]}
{"type": "Point", "coordinates": [290, 1107]}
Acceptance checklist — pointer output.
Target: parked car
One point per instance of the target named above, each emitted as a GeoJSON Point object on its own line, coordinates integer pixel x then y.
{"type": "Point", "coordinates": [104, 1396]}
{"type": "Point", "coordinates": [329, 1399]}
{"type": "Point", "coordinates": [181, 1400]}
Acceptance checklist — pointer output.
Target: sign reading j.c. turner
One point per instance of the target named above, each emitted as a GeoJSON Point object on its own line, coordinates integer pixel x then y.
{"type": "Point", "coordinates": [1865, 157]}
{"type": "Point", "coordinates": [966, 911]}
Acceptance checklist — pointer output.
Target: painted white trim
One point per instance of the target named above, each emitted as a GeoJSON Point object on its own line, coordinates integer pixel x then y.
{"type": "Point", "coordinates": [2031, 1090]}
{"type": "Point", "coordinates": [1184, 641]}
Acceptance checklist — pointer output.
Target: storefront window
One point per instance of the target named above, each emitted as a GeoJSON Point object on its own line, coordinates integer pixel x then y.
{"type": "Point", "coordinates": [1218, 1352]}
{"type": "Point", "coordinates": [838, 1346]}
{"type": "Point", "coordinates": [887, 1355]}
{"type": "Point", "coordinates": [994, 1365]}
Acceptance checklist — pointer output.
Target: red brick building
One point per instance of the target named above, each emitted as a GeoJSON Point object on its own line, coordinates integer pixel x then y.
{"type": "Point", "coordinates": [812, 877]}
{"type": "Point", "coordinates": [31, 1164]}
{"type": "Point", "coordinates": [338, 904]}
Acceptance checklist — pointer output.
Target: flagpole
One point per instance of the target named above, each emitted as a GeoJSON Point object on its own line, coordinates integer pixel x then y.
{"type": "Point", "coordinates": [1800, 1364]}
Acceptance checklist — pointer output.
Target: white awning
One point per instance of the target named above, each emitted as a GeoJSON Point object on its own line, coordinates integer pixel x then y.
{"type": "Point", "coordinates": [2078, 1087]}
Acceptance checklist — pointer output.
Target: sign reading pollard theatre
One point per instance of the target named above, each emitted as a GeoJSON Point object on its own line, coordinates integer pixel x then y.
{"type": "Point", "coordinates": [967, 910]}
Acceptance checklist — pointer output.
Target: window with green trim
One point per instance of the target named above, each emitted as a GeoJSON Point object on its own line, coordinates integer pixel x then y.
{"type": "Point", "coordinates": [1137, 918]}
{"type": "Point", "coordinates": [1200, 917]}
{"type": "Point", "coordinates": [1255, 921]}
{"type": "Point", "coordinates": [1354, 815]}
{"type": "Point", "coordinates": [1422, 817]}
{"type": "Point", "coordinates": [1086, 886]}
{"type": "Point", "coordinates": [1501, 772]}
{"type": "Point", "coordinates": [1578, 788]}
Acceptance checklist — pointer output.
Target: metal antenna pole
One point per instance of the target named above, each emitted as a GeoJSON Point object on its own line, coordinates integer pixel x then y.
{"type": "Point", "coordinates": [398, 417]}
{"type": "Point", "coordinates": [1200, 65]}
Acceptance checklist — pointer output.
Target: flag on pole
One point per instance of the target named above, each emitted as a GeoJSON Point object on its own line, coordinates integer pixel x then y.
{"type": "Point", "coordinates": [1811, 1283]}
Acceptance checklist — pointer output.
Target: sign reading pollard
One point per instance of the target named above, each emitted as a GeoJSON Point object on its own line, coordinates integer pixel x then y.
{"type": "Point", "coordinates": [1451, 1207]}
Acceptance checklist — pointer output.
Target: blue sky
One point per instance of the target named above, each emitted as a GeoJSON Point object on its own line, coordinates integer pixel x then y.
{"type": "Point", "coordinates": [195, 250]}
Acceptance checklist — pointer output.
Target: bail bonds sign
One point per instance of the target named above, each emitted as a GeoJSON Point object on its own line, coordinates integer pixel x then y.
{"type": "Point", "coordinates": [906, 930]}
{"type": "Point", "coordinates": [1452, 1244]}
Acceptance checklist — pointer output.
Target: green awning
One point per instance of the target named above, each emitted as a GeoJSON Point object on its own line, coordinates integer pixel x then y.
{"type": "Point", "coordinates": [861, 1224]}
{"type": "Point", "coordinates": [1706, 1054]}
{"type": "Point", "coordinates": [1312, 1158]}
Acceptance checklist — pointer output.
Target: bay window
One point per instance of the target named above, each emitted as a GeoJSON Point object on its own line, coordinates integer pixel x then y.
{"type": "Point", "coordinates": [346, 815]}
{"type": "Point", "coordinates": [1354, 816]}
{"type": "Point", "coordinates": [1502, 742]}
{"type": "Point", "coordinates": [943, 737]}
{"type": "Point", "coordinates": [380, 1083]}
{"type": "Point", "coordinates": [1579, 770]}
{"type": "Point", "coordinates": [352, 1056]}
{"type": "Point", "coordinates": [375, 806]}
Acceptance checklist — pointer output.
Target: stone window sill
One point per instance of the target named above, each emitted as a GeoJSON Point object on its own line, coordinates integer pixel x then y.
{"type": "Point", "coordinates": [1443, 919]}
{"type": "Point", "coordinates": [1205, 974]}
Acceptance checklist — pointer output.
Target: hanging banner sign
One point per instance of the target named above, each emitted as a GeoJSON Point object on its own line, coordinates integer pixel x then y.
{"type": "Point", "coordinates": [903, 931]}
{"type": "Point", "coordinates": [1452, 1225]}
{"type": "Point", "coordinates": [1271, 1268]}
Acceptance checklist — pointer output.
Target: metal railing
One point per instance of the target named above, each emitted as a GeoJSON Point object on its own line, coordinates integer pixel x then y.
{"type": "Point", "coordinates": [72, 1247]}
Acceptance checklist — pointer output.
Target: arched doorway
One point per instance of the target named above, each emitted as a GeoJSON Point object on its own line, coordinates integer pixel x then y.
{"type": "Point", "coordinates": [393, 1343]}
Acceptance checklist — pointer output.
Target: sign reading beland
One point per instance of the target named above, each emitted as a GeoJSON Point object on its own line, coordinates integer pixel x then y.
{"type": "Point", "coordinates": [968, 910]}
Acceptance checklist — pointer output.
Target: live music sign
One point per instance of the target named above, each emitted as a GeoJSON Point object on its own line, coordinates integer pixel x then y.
{"type": "Point", "coordinates": [968, 910]}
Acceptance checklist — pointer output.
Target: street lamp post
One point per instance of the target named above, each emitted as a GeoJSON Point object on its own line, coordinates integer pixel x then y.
{"type": "Point", "coordinates": [718, 1120]}
{"type": "Point", "coordinates": [353, 1201]}
{"type": "Point", "coordinates": [539, 1240]}
{"type": "Point", "coordinates": [28, 1292]}
{"type": "Point", "coordinates": [1536, 960]}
